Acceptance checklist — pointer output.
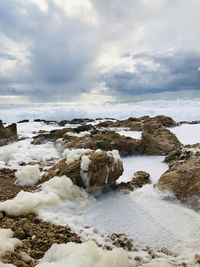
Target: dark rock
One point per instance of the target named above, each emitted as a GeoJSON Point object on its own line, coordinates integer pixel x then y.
{"type": "Point", "coordinates": [80, 121]}
{"type": "Point", "coordinates": [20, 234]}
{"type": "Point", "coordinates": [7, 134]}
{"type": "Point", "coordinates": [23, 121]}
{"type": "Point", "coordinates": [84, 127]}
{"type": "Point", "coordinates": [63, 122]}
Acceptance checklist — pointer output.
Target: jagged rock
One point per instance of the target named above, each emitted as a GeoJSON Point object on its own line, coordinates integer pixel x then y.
{"type": "Point", "coordinates": [7, 134]}
{"type": "Point", "coordinates": [141, 178]}
{"type": "Point", "coordinates": [164, 120]}
{"type": "Point", "coordinates": [60, 133]}
{"type": "Point", "coordinates": [105, 140]}
{"type": "Point", "coordinates": [51, 136]}
{"type": "Point", "coordinates": [174, 156]}
{"type": "Point", "coordinates": [136, 124]}
{"type": "Point", "coordinates": [94, 171]}
{"type": "Point", "coordinates": [156, 139]}
{"type": "Point", "coordinates": [183, 178]}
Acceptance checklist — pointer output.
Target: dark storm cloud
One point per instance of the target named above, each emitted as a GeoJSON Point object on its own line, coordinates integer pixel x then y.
{"type": "Point", "coordinates": [61, 48]}
{"type": "Point", "coordinates": [60, 52]}
{"type": "Point", "coordinates": [158, 73]}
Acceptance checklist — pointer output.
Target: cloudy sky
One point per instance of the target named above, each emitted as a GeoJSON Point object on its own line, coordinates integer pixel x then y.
{"type": "Point", "coordinates": [98, 50]}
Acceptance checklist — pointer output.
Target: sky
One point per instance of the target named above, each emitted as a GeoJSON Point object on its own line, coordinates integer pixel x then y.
{"type": "Point", "coordinates": [99, 50]}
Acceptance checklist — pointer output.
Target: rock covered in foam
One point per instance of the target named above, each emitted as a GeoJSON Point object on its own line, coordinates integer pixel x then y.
{"type": "Point", "coordinates": [28, 175]}
{"type": "Point", "coordinates": [52, 192]}
{"type": "Point", "coordinates": [82, 255]}
{"type": "Point", "coordinates": [7, 242]}
{"type": "Point", "coordinates": [93, 170]}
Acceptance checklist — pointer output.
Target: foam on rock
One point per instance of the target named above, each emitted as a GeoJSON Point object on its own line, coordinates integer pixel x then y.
{"type": "Point", "coordinates": [52, 192]}
{"type": "Point", "coordinates": [93, 170]}
{"type": "Point", "coordinates": [82, 255]}
{"type": "Point", "coordinates": [7, 242]}
{"type": "Point", "coordinates": [29, 175]}
{"type": "Point", "coordinates": [72, 155]}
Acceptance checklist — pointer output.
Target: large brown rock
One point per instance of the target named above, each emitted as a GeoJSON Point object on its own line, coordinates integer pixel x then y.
{"type": "Point", "coordinates": [136, 124]}
{"type": "Point", "coordinates": [93, 171]}
{"type": "Point", "coordinates": [7, 134]}
{"type": "Point", "coordinates": [156, 139]}
{"type": "Point", "coordinates": [105, 140]}
{"type": "Point", "coordinates": [183, 177]}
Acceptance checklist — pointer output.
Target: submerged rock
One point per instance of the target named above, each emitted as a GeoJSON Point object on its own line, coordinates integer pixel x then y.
{"type": "Point", "coordinates": [7, 134]}
{"type": "Point", "coordinates": [93, 170]}
{"type": "Point", "coordinates": [183, 177]}
{"type": "Point", "coordinates": [140, 178]}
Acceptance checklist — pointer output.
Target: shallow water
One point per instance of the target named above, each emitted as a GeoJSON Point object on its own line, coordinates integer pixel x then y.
{"type": "Point", "coordinates": [187, 133]}
{"type": "Point", "coordinates": [144, 215]}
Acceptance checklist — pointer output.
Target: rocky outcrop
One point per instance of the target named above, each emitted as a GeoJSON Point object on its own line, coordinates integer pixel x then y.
{"type": "Point", "coordinates": [105, 140]}
{"type": "Point", "coordinates": [136, 124]}
{"type": "Point", "coordinates": [93, 170]}
{"type": "Point", "coordinates": [60, 133]}
{"type": "Point", "coordinates": [7, 134]}
{"type": "Point", "coordinates": [156, 139]}
{"type": "Point", "coordinates": [183, 177]}
{"type": "Point", "coordinates": [140, 178]}
{"type": "Point", "coordinates": [50, 136]}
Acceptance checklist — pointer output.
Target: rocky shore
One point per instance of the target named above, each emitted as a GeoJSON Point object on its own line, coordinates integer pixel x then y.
{"type": "Point", "coordinates": [89, 154]}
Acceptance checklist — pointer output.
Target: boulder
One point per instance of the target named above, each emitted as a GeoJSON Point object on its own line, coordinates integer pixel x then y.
{"type": "Point", "coordinates": [156, 139]}
{"type": "Point", "coordinates": [92, 170]}
{"type": "Point", "coordinates": [7, 134]}
{"type": "Point", "coordinates": [183, 177]}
